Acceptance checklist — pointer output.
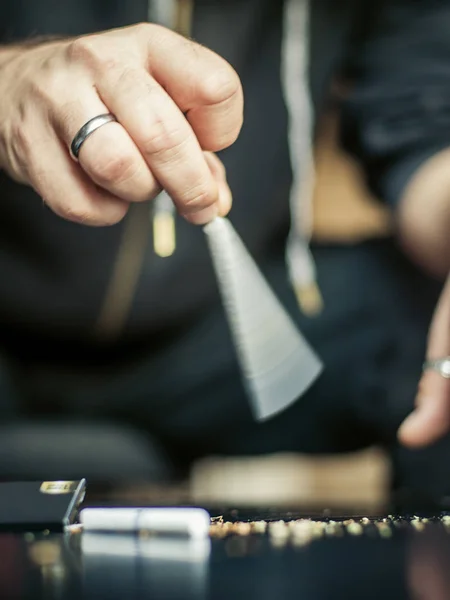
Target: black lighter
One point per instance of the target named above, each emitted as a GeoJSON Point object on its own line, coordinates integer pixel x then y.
{"type": "Point", "coordinates": [39, 506]}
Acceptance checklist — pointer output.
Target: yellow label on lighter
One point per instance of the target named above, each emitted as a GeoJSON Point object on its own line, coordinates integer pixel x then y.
{"type": "Point", "coordinates": [58, 487]}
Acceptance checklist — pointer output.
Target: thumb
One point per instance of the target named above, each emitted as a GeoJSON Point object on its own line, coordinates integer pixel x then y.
{"type": "Point", "coordinates": [218, 170]}
{"type": "Point", "coordinates": [431, 418]}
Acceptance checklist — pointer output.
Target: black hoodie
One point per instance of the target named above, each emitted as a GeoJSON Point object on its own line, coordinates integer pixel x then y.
{"type": "Point", "coordinates": [54, 274]}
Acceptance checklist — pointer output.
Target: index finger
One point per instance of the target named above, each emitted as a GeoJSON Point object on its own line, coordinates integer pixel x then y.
{"type": "Point", "coordinates": [203, 85]}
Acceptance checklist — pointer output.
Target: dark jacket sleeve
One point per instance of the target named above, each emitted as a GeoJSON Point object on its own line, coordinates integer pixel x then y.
{"type": "Point", "coordinates": [397, 112]}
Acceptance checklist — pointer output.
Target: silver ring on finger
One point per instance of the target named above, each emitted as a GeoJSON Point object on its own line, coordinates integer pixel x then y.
{"type": "Point", "coordinates": [87, 130]}
{"type": "Point", "coordinates": [439, 365]}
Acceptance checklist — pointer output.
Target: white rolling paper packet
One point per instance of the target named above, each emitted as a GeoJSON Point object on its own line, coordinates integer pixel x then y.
{"type": "Point", "coordinates": [190, 522]}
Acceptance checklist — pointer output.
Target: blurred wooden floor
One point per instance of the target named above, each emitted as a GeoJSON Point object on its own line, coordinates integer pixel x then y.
{"type": "Point", "coordinates": [358, 480]}
{"type": "Point", "coordinates": [344, 209]}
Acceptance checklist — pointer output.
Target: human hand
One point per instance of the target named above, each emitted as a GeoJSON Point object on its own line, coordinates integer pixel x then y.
{"type": "Point", "coordinates": [431, 419]}
{"type": "Point", "coordinates": [175, 103]}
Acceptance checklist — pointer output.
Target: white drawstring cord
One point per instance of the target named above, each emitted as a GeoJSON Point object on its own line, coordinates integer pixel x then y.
{"type": "Point", "coordinates": [295, 82]}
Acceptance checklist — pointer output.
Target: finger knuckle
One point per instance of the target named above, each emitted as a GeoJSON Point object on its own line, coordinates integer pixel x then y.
{"type": "Point", "coordinates": [45, 90]}
{"type": "Point", "coordinates": [145, 28]}
{"type": "Point", "coordinates": [80, 49]}
{"type": "Point", "coordinates": [78, 214]}
{"type": "Point", "coordinates": [164, 142]}
{"type": "Point", "coordinates": [92, 53]}
{"type": "Point", "coordinates": [21, 142]}
{"type": "Point", "coordinates": [113, 167]}
{"type": "Point", "coordinates": [158, 35]}
{"type": "Point", "coordinates": [197, 198]}
{"type": "Point", "coordinates": [94, 217]}
{"type": "Point", "coordinates": [222, 85]}
{"type": "Point", "coordinates": [130, 81]}
{"type": "Point", "coordinates": [19, 153]}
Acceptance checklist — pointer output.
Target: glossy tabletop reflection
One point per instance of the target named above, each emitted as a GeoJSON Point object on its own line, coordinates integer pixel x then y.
{"type": "Point", "coordinates": [312, 560]}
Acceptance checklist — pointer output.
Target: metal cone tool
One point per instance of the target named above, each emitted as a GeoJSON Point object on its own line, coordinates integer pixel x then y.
{"type": "Point", "coordinates": [278, 364]}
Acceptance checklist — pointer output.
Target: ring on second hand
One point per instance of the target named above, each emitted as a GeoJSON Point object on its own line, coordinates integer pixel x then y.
{"type": "Point", "coordinates": [87, 130]}
{"type": "Point", "coordinates": [440, 365]}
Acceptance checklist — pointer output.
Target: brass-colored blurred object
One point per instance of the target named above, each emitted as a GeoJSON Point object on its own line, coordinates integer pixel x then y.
{"type": "Point", "coordinates": [344, 209]}
{"type": "Point", "coordinates": [185, 11]}
{"type": "Point", "coordinates": [164, 216]}
{"type": "Point", "coordinates": [44, 553]}
{"type": "Point", "coordinates": [359, 479]}
{"type": "Point", "coordinates": [310, 299]}
{"type": "Point", "coordinates": [58, 487]}
{"type": "Point", "coordinates": [126, 272]}
{"type": "Point", "coordinates": [164, 226]}
{"type": "Point", "coordinates": [164, 236]}
{"type": "Point", "coordinates": [130, 258]}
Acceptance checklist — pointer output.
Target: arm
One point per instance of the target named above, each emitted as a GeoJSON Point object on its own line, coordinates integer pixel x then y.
{"type": "Point", "coordinates": [423, 216]}
{"type": "Point", "coordinates": [397, 122]}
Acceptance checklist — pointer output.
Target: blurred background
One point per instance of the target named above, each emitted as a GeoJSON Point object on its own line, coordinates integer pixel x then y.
{"type": "Point", "coordinates": [379, 293]}
{"type": "Point", "coordinates": [345, 212]}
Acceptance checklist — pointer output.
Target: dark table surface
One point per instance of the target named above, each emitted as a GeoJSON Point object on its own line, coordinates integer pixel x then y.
{"type": "Point", "coordinates": [378, 560]}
